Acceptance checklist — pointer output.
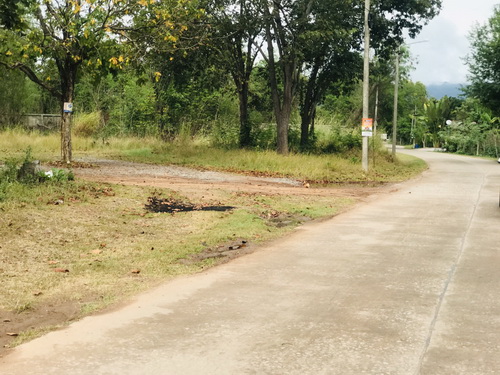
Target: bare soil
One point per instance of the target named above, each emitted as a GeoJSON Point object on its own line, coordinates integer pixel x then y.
{"type": "Point", "coordinates": [192, 181]}
{"type": "Point", "coordinates": [188, 182]}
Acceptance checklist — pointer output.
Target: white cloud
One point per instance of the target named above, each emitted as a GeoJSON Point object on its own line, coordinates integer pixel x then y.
{"type": "Point", "coordinates": [441, 58]}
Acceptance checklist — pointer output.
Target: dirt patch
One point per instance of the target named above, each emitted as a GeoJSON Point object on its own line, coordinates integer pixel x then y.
{"type": "Point", "coordinates": [200, 182]}
{"type": "Point", "coordinates": [224, 252]}
{"type": "Point", "coordinates": [33, 322]}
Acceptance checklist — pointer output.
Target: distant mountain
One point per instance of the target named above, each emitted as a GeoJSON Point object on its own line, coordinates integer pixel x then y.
{"type": "Point", "coordinates": [444, 89]}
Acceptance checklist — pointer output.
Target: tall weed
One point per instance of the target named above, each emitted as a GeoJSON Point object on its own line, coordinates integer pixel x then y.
{"type": "Point", "coordinates": [87, 124]}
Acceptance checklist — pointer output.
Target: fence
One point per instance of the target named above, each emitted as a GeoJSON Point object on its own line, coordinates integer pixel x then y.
{"type": "Point", "coordinates": [41, 121]}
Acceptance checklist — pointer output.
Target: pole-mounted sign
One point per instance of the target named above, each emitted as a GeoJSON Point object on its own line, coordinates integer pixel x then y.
{"type": "Point", "coordinates": [367, 127]}
{"type": "Point", "coordinates": [68, 107]}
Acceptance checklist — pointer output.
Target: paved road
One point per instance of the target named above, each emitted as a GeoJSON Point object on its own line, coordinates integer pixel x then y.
{"type": "Point", "coordinates": [405, 284]}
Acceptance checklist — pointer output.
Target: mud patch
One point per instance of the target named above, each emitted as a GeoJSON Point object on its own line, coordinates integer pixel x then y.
{"type": "Point", "coordinates": [223, 253]}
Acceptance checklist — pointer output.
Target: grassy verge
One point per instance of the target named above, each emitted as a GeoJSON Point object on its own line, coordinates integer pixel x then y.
{"type": "Point", "coordinates": [103, 232]}
{"type": "Point", "coordinates": [101, 245]}
{"type": "Point", "coordinates": [312, 168]}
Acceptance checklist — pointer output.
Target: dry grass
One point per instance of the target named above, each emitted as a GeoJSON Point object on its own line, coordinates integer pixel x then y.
{"type": "Point", "coordinates": [103, 236]}
{"type": "Point", "coordinates": [315, 168]}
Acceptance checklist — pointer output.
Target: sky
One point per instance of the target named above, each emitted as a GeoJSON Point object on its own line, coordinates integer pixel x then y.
{"type": "Point", "coordinates": [439, 58]}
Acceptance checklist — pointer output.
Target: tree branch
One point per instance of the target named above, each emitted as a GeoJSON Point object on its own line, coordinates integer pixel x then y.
{"type": "Point", "coordinates": [33, 77]}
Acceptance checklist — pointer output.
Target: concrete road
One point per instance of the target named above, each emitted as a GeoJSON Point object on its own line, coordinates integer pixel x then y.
{"type": "Point", "coordinates": [408, 283]}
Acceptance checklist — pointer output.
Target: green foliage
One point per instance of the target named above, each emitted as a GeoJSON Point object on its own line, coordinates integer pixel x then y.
{"type": "Point", "coordinates": [56, 174]}
{"type": "Point", "coordinates": [151, 68]}
{"type": "Point", "coordinates": [18, 96]}
{"type": "Point", "coordinates": [225, 127]}
{"type": "Point", "coordinates": [83, 36]}
{"type": "Point", "coordinates": [475, 130]}
{"type": "Point", "coordinates": [115, 105]}
{"type": "Point", "coordinates": [27, 171]}
{"type": "Point", "coordinates": [436, 113]}
{"type": "Point", "coordinates": [390, 19]}
{"type": "Point", "coordinates": [341, 140]}
{"type": "Point", "coordinates": [484, 63]}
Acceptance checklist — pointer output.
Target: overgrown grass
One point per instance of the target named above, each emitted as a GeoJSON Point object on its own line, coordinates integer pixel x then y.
{"type": "Point", "coordinates": [14, 142]}
{"type": "Point", "coordinates": [328, 168]}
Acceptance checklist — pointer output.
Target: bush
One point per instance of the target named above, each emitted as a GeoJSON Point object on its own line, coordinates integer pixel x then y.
{"type": "Point", "coordinates": [87, 124]}
{"type": "Point", "coordinates": [340, 140]}
{"type": "Point", "coordinates": [27, 171]}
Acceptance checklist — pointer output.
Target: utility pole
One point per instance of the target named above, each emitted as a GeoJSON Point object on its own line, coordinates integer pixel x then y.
{"type": "Point", "coordinates": [366, 83]}
{"type": "Point", "coordinates": [395, 112]}
{"type": "Point", "coordinates": [396, 90]}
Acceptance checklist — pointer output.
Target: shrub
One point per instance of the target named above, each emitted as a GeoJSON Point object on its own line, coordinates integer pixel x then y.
{"type": "Point", "coordinates": [87, 124]}
{"type": "Point", "coordinates": [27, 171]}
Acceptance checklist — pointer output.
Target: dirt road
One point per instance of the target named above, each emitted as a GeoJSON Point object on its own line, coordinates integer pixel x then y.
{"type": "Point", "coordinates": [404, 284]}
{"type": "Point", "coordinates": [190, 180]}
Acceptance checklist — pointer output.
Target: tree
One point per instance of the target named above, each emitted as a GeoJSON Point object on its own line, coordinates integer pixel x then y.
{"type": "Point", "coordinates": [312, 38]}
{"type": "Point", "coordinates": [484, 63]}
{"type": "Point", "coordinates": [330, 50]}
{"type": "Point", "coordinates": [71, 35]}
{"type": "Point", "coordinates": [289, 25]}
{"type": "Point", "coordinates": [237, 26]}
{"type": "Point", "coordinates": [283, 20]}
{"type": "Point", "coordinates": [436, 112]}
{"type": "Point", "coordinates": [390, 20]}
{"type": "Point", "coordinates": [474, 130]}
{"type": "Point", "coordinates": [412, 97]}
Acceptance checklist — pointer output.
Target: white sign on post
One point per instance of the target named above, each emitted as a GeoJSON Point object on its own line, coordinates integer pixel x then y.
{"type": "Point", "coordinates": [68, 107]}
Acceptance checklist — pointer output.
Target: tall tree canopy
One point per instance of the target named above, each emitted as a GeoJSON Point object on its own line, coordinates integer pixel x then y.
{"type": "Point", "coordinates": [484, 63]}
{"type": "Point", "coordinates": [292, 26]}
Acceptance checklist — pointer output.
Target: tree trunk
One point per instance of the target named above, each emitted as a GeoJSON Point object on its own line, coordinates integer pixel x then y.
{"type": "Point", "coordinates": [375, 115]}
{"type": "Point", "coordinates": [306, 116]}
{"type": "Point", "coordinates": [245, 126]}
{"type": "Point", "coordinates": [282, 122]}
{"type": "Point", "coordinates": [68, 90]}
{"type": "Point", "coordinates": [66, 147]}
{"type": "Point", "coordinates": [282, 104]}
{"type": "Point", "coordinates": [284, 112]}
{"type": "Point", "coordinates": [308, 110]}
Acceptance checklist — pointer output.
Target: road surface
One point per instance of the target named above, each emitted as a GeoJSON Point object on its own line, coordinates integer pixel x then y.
{"type": "Point", "coordinates": [407, 283]}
